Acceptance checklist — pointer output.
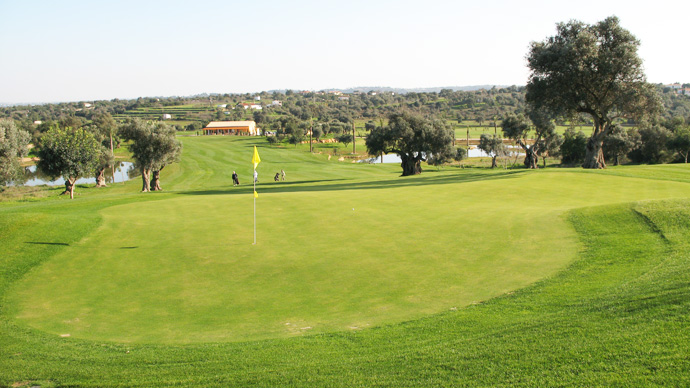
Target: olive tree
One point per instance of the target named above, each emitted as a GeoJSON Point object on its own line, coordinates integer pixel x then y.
{"type": "Point", "coordinates": [592, 70]}
{"type": "Point", "coordinates": [105, 130]}
{"type": "Point", "coordinates": [413, 138]}
{"type": "Point", "coordinates": [13, 145]}
{"type": "Point", "coordinates": [70, 153]}
{"type": "Point", "coordinates": [493, 146]}
{"type": "Point", "coordinates": [153, 147]}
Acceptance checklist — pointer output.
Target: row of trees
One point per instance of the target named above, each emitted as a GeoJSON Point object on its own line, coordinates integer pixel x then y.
{"type": "Point", "coordinates": [75, 151]}
{"type": "Point", "coordinates": [585, 70]}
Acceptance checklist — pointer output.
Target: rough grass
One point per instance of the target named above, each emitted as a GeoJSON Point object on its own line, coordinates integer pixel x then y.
{"type": "Point", "coordinates": [616, 316]}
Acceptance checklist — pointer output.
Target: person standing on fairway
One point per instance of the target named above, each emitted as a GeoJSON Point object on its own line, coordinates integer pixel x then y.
{"type": "Point", "coordinates": [282, 175]}
{"type": "Point", "coordinates": [235, 179]}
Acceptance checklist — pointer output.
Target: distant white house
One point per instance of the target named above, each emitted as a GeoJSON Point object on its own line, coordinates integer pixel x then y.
{"type": "Point", "coordinates": [252, 106]}
{"type": "Point", "coordinates": [344, 98]}
{"type": "Point", "coordinates": [38, 122]}
{"type": "Point", "coordinates": [222, 106]}
{"type": "Point", "coordinates": [276, 103]}
{"type": "Point", "coordinates": [257, 98]}
{"type": "Point", "coordinates": [87, 105]}
{"type": "Point", "coordinates": [167, 116]}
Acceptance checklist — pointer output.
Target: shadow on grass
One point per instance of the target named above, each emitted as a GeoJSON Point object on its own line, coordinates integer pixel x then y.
{"type": "Point", "coordinates": [324, 185]}
{"type": "Point", "coordinates": [46, 243]}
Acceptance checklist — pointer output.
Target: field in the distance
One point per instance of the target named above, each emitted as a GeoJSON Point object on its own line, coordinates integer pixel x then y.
{"type": "Point", "coordinates": [387, 265]}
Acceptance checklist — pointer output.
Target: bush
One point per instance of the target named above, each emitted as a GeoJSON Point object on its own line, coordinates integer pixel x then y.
{"type": "Point", "coordinates": [574, 146]}
{"type": "Point", "coordinates": [653, 148]}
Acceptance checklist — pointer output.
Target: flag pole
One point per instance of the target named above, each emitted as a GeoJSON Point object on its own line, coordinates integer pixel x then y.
{"type": "Point", "coordinates": [255, 160]}
{"type": "Point", "coordinates": [254, 207]}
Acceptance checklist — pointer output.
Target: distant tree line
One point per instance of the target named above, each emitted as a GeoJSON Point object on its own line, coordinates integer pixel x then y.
{"type": "Point", "coordinates": [585, 75]}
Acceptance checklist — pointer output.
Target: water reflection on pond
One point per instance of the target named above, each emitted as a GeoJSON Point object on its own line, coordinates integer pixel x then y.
{"type": "Point", "coordinates": [472, 152]}
{"type": "Point", "coordinates": [33, 177]}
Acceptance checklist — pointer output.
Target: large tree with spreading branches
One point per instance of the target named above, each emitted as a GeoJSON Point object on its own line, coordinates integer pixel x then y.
{"type": "Point", "coordinates": [592, 70]}
{"type": "Point", "coordinates": [69, 153]}
{"type": "Point", "coordinates": [413, 138]}
{"type": "Point", "coordinates": [153, 147]}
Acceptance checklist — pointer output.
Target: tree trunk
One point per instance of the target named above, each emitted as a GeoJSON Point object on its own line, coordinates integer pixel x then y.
{"type": "Point", "coordinates": [531, 159]}
{"type": "Point", "coordinates": [69, 187]}
{"type": "Point", "coordinates": [594, 151]}
{"type": "Point", "coordinates": [493, 161]}
{"type": "Point", "coordinates": [145, 174]}
{"type": "Point", "coordinates": [594, 157]}
{"type": "Point", "coordinates": [100, 177]}
{"type": "Point", "coordinates": [156, 180]}
{"type": "Point", "coordinates": [410, 165]}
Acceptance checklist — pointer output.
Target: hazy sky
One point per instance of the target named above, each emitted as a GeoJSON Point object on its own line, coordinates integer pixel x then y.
{"type": "Point", "coordinates": [94, 50]}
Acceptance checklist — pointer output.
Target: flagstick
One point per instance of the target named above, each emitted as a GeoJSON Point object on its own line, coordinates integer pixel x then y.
{"type": "Point", "coordinates": [254, 195]}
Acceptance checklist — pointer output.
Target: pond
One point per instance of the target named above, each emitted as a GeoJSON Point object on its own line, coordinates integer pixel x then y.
{"type": "Point", "coordinates": [473, 152]}
{"type": "Point", "coordinates": [32, 177]}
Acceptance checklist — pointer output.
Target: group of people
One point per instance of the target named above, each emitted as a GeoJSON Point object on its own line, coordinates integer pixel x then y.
{"type": "Point", "coordinates": [280, 176]}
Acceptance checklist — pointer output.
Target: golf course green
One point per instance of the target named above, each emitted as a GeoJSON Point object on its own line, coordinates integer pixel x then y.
{"type": "Point", "coordinates": [359, 277]}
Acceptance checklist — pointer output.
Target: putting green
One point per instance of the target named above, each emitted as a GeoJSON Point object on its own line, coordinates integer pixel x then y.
{"type": "Point", "coordinates": [184, 269]}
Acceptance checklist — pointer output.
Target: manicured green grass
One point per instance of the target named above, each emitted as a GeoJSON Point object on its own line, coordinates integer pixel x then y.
{"type": "Point", "coordinates": [167, 289]}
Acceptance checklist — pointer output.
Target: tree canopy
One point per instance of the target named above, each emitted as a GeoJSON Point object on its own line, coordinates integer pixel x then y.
{"type": "Point", "coordinates": [593, 70]}
{"type": "Point", "coordinates": [70, 153]}
{"type": "Point", "coordinates": [153, 147]}
{"type": "Point", "coordinates": [13, 145]}
{"type": "Point", "coordinates": [493, 146]}
{"type": "Point", "coordinates": [412, 138]}
{"type": "Point", "coordinates": [518, 128]}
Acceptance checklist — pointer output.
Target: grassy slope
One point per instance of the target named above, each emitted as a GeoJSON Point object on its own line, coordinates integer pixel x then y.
{"type": "Point", "coordinates": [501, 341]}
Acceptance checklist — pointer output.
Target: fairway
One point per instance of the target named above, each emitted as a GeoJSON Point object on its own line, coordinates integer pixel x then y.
{"type": "Point", "coordinates": [359, 277]}
{"type": "Point", "coordinates": [333, 254]}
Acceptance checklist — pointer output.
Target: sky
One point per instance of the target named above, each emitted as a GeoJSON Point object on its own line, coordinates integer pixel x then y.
{"type": "Point", "coordinates": [59, 51]}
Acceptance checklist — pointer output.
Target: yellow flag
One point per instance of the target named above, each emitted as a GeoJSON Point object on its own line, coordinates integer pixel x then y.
{"type": "Point", "coordinates": [256, 195]}
{"type": "Point", "coordinates": [255, 159]}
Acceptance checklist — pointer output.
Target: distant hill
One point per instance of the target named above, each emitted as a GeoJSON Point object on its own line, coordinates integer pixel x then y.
{"type": "Point", "coordinates": [418, 90]}
{"type": "Point", "coordinates": [387, 89]}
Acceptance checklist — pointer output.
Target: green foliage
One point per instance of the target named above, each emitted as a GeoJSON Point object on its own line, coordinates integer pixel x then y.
{"type": "Point", "coordinates": [516, 127]}
{"type": "Point", "coordinates": [317, 132]}
{"type": "Point", "coordinates": [620, 142]}
{"type": "Point", "coordinates": [345, 138]}
{"type": "Point", "coordinates": [272, 140]}
{"type": "Point", "coordinates": [68, 153]}
{"type": "Point", "coordinates": [153, 145]}
{"type": "Point", "coordinates": [13, 145]}
{"type": "Point", "coordinates": [592, 70]}
{"type": "Point", "coordinates": [680, 142]}
{"type": "Point", "coordinates": [573, 147]}
{"type": "Point", "coordinates": [412, 138]}
{"type": "Point", "coordinates": [493, 146]}
{"type": "Point", "coordinates": [460, 154]}
{"type": "Point", "coordinates": [653, 145]}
